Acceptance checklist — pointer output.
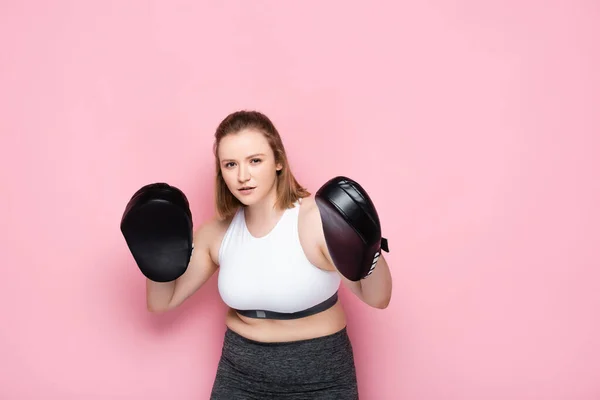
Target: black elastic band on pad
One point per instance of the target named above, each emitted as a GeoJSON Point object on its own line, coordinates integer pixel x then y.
{"type": "Point", "coordinates": [384, 245]}
{"type": "Point", "coordinates": [263, 314]}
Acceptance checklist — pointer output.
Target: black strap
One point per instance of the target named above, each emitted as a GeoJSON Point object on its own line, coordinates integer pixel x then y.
{"type": "Point", "coordinates": [384, 245]}
{"type": "Point", "coordinates": [263, 314]}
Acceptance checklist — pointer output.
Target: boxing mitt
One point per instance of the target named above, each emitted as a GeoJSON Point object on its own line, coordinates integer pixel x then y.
{"type": "Point", "coordinates": [157, 226]}
{"type": "Point", "coordinates": [351, 227]}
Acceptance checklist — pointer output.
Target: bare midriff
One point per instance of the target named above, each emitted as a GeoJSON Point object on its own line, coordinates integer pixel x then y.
{"type": "Point", "coordinates": [324, 323]}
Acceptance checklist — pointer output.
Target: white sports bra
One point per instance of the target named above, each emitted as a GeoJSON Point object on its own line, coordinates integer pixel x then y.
{"type": "Point", "coordinates": [271, 275]}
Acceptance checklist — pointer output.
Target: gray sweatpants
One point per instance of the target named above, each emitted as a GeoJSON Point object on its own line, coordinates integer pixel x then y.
{"type": "Point", "coordinates": [318, 369]}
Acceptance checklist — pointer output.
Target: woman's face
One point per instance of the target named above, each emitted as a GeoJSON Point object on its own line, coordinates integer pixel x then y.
{"type": "Point", "coordinates": [248, 165]}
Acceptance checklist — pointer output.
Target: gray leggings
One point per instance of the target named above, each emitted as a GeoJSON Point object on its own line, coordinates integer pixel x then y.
{"type": "Point", "coordinates": [318, 369]}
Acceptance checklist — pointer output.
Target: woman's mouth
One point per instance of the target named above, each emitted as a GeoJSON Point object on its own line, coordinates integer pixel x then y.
{"type": "Point", "coordinates": [246, 190]}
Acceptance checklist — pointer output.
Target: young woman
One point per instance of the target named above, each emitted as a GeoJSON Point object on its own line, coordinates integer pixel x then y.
{"type": "Point", "coordinates": [286, 330]}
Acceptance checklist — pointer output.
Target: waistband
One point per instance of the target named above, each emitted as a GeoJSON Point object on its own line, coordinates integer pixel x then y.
{"type": "Point", "coordinates": [264, 314]}
{"type": "Point", "coordinates": [335, 339]}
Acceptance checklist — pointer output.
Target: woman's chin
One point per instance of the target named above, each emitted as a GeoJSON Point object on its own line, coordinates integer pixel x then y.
{"type": "Point", "coordinates": [250, 198]}
{"type": "Point", "coordinates": [246, 200]}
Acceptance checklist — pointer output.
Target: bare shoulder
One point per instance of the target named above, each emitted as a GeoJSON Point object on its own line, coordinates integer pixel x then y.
{"type": "Point", "coordinates": [309, 214]}
{"type": "Point", "coordinates": [310, 229]}
{"type": "Point", "coordinates": [211, 227]}
{"type": "Point", "coordinates": [209, 235]}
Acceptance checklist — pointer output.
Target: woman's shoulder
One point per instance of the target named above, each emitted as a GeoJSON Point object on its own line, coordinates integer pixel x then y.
{"type": "Point", "coordinates": [212, 229]}
{"type": "Point", "coordinates": [308, 203]}
{"type": "Point", "coordinates": [309, 216]}
{"type": "Point", "coordinates": [311, 233]}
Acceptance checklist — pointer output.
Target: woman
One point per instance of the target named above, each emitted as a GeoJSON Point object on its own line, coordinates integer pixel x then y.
{"type": "Point", "coordinates": [267, 243]}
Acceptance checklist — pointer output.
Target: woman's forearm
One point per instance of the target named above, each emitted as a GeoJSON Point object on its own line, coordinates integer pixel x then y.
{"type": "Point", "coordinates": [376, 289]}
{"type": "Point", "coordinates": [159, 295]}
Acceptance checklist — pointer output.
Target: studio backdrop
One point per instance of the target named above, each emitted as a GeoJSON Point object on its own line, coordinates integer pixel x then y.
{"type": "Point", "coordinates": [474, 126]}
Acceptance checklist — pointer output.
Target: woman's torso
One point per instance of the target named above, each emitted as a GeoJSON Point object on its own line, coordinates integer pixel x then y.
{"type": "Point", "coordinates": [275, 330]}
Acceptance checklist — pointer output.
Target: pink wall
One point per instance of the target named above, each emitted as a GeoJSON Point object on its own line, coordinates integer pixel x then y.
{"type": "Point", "coordinates": [483, 118]}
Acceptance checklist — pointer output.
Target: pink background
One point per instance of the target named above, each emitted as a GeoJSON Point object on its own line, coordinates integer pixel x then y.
{"type": "Point", "coordinates": [483, 117]}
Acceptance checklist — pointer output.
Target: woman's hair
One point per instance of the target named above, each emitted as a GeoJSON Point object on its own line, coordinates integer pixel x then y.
{"type": "Point", "coordinates": [288, 189]}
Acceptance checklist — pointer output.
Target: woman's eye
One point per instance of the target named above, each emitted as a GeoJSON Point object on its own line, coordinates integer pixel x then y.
{"type": "Point", "coordinates": [229, 165]}
{"type": "Point", "coordinates": [256, 160]}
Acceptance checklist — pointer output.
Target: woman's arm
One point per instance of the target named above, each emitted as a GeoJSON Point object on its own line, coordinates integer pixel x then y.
{"type": "Point", "coordinates": [164, 296]}
{"type": "Point", "coordinates": [376, 289]}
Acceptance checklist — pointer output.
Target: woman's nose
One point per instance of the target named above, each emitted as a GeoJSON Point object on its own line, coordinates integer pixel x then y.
{"type": "Point", "coordinates": [243, 174]}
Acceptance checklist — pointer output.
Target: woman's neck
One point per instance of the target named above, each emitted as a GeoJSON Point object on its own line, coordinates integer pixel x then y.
{"type": "Point", "coordinates": [263, 212]}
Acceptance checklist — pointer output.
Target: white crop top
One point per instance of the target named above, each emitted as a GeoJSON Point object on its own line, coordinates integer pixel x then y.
{"type": "Point", "coordinates": [272, 272]}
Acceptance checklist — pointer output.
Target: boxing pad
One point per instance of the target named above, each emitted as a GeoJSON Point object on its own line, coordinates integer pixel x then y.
{"type": "Point", "coordinates": [351, 227]}
{"type": "Point", "coordinates": [157, 226]}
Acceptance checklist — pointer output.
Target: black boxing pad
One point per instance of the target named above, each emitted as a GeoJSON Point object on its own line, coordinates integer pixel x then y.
{"type": "Point", "coordinates": [351, 227]}
{"type": "Point", "coordinates": [158, 229]}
